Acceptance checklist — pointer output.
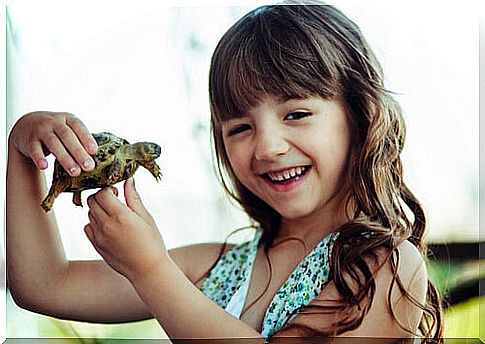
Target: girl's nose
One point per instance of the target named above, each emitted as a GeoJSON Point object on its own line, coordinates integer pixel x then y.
{"type": "Point", "coordinates": [269, 145]}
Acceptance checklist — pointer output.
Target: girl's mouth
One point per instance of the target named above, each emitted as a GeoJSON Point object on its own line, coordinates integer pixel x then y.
{"type": "Point", "coordinates": [286, 179]}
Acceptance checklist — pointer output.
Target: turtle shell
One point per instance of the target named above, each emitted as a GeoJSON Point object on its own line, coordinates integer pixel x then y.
{"type": "Point", "coordinates": [106, 156]}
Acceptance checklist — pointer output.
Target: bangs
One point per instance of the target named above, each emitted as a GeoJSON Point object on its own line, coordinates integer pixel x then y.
{"type": "Point", "coordinates": [260, 56]}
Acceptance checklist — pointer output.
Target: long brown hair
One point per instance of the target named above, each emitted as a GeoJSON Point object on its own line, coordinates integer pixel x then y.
{"type": "Point", "coordinates": [315, 50]}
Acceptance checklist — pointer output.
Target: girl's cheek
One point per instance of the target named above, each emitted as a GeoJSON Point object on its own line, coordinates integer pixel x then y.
{"type": "Point", "coordinates": [237, 152]}
{"type": "Point", "coordinates": [241, 169]}
{"type": "Point", "coordinates": [237, 168]}
{"type": "Point", "coordinates": [240, 157]}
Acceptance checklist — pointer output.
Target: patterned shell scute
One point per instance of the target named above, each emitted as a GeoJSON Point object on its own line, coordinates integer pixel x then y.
{"type": "Point", "coordinates": [108, 145]}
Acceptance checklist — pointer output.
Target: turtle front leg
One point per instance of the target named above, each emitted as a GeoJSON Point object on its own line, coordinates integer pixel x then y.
{"type": "Point", "coordinates": [154, 169]}
{"type": "Point", "coordinates": [55, 190]}
{"type": "Point", "coordinates": [76, 198]}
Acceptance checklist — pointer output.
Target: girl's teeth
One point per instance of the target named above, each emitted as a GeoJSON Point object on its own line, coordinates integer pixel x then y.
{"type": "Point", "coordinates": [294, 172]}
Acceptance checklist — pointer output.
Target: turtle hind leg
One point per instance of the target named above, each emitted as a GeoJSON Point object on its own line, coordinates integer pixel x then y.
{"type": "Point", "coordinates": [54, 191]}
{"type": "Point", "coordinates": [76, 198]}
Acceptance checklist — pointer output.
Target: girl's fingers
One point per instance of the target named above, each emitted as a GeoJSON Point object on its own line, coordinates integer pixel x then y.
{"type": "Point", "coordinates": [89, 233]}
{"type": "Point", "coordinates": [55, 146]}
{"type": "Point", "coordinates": [107, 199]}
{"type": "Point", "coordinates": [38, 134]}
{"type": "Point", "coordinates": [83, 134]}
{"type": "Point", "coordinates": [133, 199]}
{"type": "Point", "coordinates": [37, 155]}
{"type": "Point", "coordinates": [73, 145]}
{"type": "Point", "coordinates": [92, 218]}
{"type": "Point", "coordinates": [97, 210]}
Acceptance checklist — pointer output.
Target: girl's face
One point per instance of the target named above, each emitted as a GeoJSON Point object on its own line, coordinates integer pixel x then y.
{"type": "Point", "coordinates": [292, 154]}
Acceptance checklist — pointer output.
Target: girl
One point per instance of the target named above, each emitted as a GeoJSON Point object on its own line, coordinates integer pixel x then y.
{"type": "Point", "coordinates": [308, 141]}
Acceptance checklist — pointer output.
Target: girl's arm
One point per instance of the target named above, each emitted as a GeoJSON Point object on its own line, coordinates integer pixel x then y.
{"type": "Point", "coordinates": [39, 276]}
{"type": "Point", "coordinates": [128, 240]}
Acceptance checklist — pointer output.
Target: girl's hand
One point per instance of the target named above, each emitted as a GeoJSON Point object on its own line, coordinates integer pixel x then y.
{"type": "Point", "coordinates": [126, 236]}
{"type": "Point", "coordinates": [38, 134]}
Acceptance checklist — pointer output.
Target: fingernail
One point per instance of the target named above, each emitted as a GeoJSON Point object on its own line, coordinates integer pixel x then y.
{"type": "Point", "coordinates": [92, 147]}
{"type": "Point", "coordinates": [42, 163]}
{"type": "Point", "coordinates": [88, 164]}
{"type": "Point", "coordinates": [74, 170]}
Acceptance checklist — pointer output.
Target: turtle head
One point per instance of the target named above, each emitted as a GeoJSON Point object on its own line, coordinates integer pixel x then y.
{"type": "Point", "coordinates": [144, 153]}
{"type": "Point", "coordinates": [151, 149]}
{"type": "Point", "coordinates": [146, 150]}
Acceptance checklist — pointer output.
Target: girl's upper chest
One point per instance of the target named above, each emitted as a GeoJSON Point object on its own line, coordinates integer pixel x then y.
{"type": "Point", "coordinates": [270, 272]}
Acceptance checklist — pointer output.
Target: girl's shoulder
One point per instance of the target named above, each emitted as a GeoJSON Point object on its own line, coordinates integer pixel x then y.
{"type": "Point", "coordinates": [411, 271]}
{"type": "Point", "coordinates": [196, 260]}
{"type": "Point", "coordinates": [412, 265]}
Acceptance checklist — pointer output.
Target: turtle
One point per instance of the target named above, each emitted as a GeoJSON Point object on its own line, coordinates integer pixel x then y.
{"type": "Point", "coordinates": [115, 160]}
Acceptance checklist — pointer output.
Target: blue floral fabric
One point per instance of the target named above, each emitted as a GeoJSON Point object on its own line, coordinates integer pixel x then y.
{"type": "Point", "coordinates": [302, 286]}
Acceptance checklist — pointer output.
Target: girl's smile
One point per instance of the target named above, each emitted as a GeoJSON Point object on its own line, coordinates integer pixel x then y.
{"type": "Point", "coordinates": [292, 154]}
{"type": "Point", "coordinates": [287, 179]}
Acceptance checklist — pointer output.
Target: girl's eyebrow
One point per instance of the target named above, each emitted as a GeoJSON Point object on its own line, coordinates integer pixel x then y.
{"type": "Point", "coordinates": [296, 99]}
{"type": "Point", "coordinates": [282, 100]}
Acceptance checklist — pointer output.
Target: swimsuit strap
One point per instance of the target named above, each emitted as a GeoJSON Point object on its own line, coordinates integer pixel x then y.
{"type": "Point", "coordinates": [302, 286]}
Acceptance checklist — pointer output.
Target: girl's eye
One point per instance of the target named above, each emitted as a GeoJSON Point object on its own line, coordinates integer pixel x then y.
{"type": "Point", "coordinates": [297, 115]}
{"type": "Point", "coordinates": [238, 129]}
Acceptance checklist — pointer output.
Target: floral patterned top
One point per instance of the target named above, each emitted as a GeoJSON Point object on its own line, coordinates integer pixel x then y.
{"type": "Point", "coordinates": [232, 274]}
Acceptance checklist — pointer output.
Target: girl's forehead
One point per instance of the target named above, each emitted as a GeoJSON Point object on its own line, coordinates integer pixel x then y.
{"type": "Point", "coordinates": [281, 102]}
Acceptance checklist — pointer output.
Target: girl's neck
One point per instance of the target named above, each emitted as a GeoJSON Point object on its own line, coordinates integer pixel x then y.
{"type": "Point", "coordinates": [307, 229]}
{"type": "Point", "coordinates": [313, 228]}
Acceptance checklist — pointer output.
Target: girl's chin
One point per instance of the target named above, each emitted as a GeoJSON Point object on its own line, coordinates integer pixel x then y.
{"type": "Point", "coordinates": [294, 214]}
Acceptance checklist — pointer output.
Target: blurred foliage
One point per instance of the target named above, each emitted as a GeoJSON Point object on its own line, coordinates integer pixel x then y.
{"type": "Point", "coordinates": [463, 319]}
{"type": "Point", "coordinates": [440, 271]}
{"type": "Point", "coordinates": [88, 333]}
{"type": "Point", "coordinates": [448, 274]}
